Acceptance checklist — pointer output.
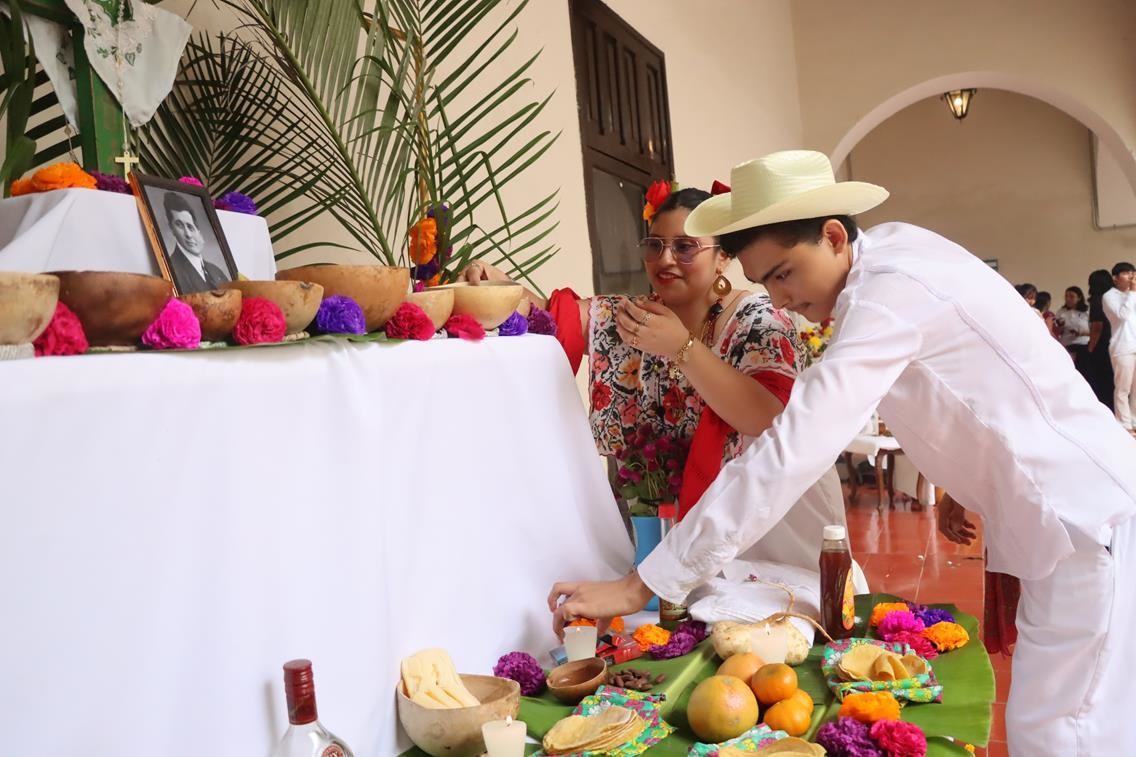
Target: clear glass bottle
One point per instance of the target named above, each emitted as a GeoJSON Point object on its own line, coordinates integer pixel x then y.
{"type": "Point", "coordinates": [670, 614]}
{"type": "Point", "coordinates": [306, 736]}
{"type": "Point", "coordinates": [837, 602]}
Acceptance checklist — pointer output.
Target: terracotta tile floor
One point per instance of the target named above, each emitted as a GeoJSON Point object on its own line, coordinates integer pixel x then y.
{"type": "Point", "coordinates": [903, 553]}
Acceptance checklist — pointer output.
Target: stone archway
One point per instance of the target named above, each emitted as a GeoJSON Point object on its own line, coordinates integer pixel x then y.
{"type": "Point", "coordinates": [1109, 138]}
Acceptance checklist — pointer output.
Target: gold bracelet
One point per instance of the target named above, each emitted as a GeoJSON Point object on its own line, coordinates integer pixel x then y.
{"type": "Point", "coordinates": [681, 357]}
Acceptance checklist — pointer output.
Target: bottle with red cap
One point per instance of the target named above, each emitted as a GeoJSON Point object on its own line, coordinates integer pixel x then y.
{"type": "Point", "coordinates": [670, 614]}
{"type": "Point", "coordinates": [306, 736]}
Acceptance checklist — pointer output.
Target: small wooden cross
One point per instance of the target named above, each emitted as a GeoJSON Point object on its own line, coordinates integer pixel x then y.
{"type": "Point", "coordinates": [127, 160]}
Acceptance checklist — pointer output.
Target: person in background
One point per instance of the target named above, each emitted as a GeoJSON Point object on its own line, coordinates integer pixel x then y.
{"type": "Point", "coordinates": [1120, 309]}
{"type": "Point", "coordinates": [1041, 304]}
{"type": "Point", "coordinates": [1098, 362]}
{"type": "Point", "coordinates": [1028, 293]}
{"type": "Point", "coordinates": [1073, 327]}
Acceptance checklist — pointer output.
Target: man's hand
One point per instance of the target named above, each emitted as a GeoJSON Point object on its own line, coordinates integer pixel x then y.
{"type": "Point", "coordinates": [598, 600]}
{"type": "Point", "coordinates": [953, 522]}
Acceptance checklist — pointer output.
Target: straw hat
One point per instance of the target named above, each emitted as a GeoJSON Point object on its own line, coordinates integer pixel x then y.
{"type": "Point", "coordinates": [782, 186]}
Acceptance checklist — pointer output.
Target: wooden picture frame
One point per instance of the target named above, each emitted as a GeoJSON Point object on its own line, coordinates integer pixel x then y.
{"type": "Point", "coordinates": [184, 232]}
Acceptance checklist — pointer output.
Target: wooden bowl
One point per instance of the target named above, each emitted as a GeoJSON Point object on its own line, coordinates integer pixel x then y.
{"type": "Point", "coordinates": [27, 302]}
{"type": "Point", "coordinates": [114, 308]}
{"type": "Point", "coordinates": [217, 310]}
{"type": "Point", "coordinates": [489, 302]}
{"type": "Point", "coordinates": [437, 303]}
{"type": "Point", "coordinates": [457, 732]}
{"type": "Point", "coordinates": [573, 681]}
{"type": "Point", "coordinates": [298, 299]}
{"type": "Point", "coordinates": [378, 289]}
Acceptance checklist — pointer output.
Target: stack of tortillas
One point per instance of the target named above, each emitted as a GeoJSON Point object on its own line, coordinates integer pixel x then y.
{"type": "Point", "coordinates": [790, 747]}
{"type": "Point", "coordinates": [868, 662]}
{"type": "Point", "coordinates": [610, 728]}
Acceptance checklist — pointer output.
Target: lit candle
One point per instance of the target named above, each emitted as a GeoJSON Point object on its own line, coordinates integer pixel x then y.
{"type": "Point", "coordinates": [504, 738]}
{"type": "Point", "coordinates": [770, 644]}
{"type": "Point", "coordinates": [580, 642]}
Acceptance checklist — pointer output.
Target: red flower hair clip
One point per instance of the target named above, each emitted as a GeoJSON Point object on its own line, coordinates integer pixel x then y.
{"type": "Point", "coordinates": [657, 194]}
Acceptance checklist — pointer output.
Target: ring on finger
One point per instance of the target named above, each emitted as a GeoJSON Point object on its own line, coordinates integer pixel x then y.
{"type": "Point", "coordinates": [634, 341]}
{"type": "Point", "coordinates": [636, 331]}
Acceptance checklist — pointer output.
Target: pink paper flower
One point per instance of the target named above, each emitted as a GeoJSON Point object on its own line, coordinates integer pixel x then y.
{"type": "Point", "coordinates": [465, 327]}
{"type": "Point", "coordinates": [410, 322]}
{"type": "Point", "coordinates": [261, 322]}
{"type": "Point", "coordinates": [64, 335]}
{"type": "Point", "coordinates": [899, 739]}
{"type": "Point", "coordinates": [191, 181]}
{"type": "Point", "coordinates": [919, 643]}
{"type": "Point", "coordinates": [175, 328]}
{"type": "Point", "coordinates": [897, 622]}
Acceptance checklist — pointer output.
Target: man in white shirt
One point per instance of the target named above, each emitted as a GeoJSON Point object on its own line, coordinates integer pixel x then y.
{"type": "Point", "coordinates": [984, 403]}
{"type": "Point", "coordinates": [1120, 308]}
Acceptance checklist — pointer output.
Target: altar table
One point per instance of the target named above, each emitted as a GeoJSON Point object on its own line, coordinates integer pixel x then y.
{"type": "Point", "coordinates": [177, 526]}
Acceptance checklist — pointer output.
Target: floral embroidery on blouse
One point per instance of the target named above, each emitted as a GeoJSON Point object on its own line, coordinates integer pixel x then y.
{"type": "Point", "coordinates": [629, 388]}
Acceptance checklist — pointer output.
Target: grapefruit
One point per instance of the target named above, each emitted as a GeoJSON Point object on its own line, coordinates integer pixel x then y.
{"type": "Point", "coordinates": [721, 708]}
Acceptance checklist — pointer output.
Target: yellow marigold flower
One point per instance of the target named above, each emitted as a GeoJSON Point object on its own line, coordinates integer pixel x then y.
{"type": "Point", "coordinates": [815, 343]}
{"type": "Point", "coordinates": [424, 241]}
{"type": "Point", "coordinates": [883, 608]}
{"type": "Point", "coordinates": [651, 635]}
{"type": "Point", "coordinates": [61, 176]}
{"type": "Point", "coordinates": [947, 636]}
{"type": "Point", "coordinates": [870, 706]}
{"type": "Point", "coordinates": [826, 332]}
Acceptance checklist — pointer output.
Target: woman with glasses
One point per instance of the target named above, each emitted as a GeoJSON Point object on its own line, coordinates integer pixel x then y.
{"type": "Point", "coordinates": [697, 360]}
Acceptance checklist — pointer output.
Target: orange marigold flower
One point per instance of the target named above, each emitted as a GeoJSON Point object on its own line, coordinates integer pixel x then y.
{"type": "Point", "coordinates": [870, 706]}
{"type": "Point", "coordinates": [61, 176]}
{"type": "Point", "coordinates": [947, 636]}
{"type": "Point", "coordinates": [434, 280]}
{"type": "Point", "coordinates": [651, 635]}
{"type": "Point", "coordinates": [424, 241]}
{"type": "Point", "coordinates": [615, 627]}
{"type": "Point", "coordinates": [883, 608]}
{"type": "Point", "coordinates": [21, 187]}
{"type": "Point", "coordinates": [648, 212]}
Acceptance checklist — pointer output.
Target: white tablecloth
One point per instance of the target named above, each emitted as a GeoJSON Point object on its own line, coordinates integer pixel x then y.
{"type": "Point", "coordinates": [89, 230]}
{"type": "Point", "coordinates": [175, 527]}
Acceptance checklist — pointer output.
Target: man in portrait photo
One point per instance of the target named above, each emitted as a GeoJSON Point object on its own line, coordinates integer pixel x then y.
{"type": "Point", "coordinates": [191, 271]}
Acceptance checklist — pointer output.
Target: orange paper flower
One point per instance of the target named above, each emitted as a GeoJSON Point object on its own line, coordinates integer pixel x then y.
{"type": "Point", "coordinates": [870, 706]}
{"type": "Point", "coordinates": [21, 187]}
{"type": "Point", "coordinates": [883, 608]}
{"type": "Point", "coordinates": [615, 627]}
{"type": "Point", "coordinates": [651, 635]}
{"type": "Point", "coordinates": [61, 176]}
{"type": "Point", "coordinates": [947, 636]}
{"type": "Point", "coordinates": [424, 241]}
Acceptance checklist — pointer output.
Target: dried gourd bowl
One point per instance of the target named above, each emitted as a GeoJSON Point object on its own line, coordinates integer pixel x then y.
{"type": "Point", "coordinates": [377, 289]}
{"type": "Point", "coordinates": [489, 303]}
{"type": "Point", "coordinates": [457, 732]}
{"type": "Point", "coordinates": [27, 302]}
{"type": "Point", "coordinates": [299, 301]}
{"type": "Point", "coordinates": [573, 681]}
{"type": "Point", "coordinates": [114, 308]}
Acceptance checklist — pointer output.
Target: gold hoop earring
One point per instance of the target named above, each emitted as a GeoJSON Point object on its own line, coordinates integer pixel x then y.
{"type": "Point", "coordinates": [722, 286]}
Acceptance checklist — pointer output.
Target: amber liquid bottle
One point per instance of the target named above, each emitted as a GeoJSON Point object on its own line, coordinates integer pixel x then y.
{"type": "Point", "coordinates": [837, 605]}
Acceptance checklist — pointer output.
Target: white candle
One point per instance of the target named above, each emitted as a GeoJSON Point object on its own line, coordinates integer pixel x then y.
{"type": "Point", "coordinates": [504, 738]}
{"type": "Point", "coordinates": [769, 643]}
{"type": "Point", "coordinates": [580, 642]}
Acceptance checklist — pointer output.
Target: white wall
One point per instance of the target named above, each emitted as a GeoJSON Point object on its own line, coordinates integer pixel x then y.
{"type": "Point", "coordinates": [1013, 181]}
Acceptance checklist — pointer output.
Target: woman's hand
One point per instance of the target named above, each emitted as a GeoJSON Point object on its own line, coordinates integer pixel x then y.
{"type": "Point", "coordinates": [479, 271]}
{"type": "Point", "coordinates": [651, 327]}
{"type": "Point", "coordinates": [598, 600]}
{"type": "Point", "coordinates": [953, 523]}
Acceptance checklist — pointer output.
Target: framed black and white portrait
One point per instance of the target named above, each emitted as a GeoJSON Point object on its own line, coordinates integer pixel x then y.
{"type": "Point", "coordinates": [184, 233]}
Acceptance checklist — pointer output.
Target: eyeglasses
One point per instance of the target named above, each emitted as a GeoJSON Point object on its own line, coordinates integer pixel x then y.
{"type": "Point", "coordinates": [684, 249]}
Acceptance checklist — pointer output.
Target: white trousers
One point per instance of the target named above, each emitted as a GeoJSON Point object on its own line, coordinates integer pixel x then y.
{"type": "Point", "coordinates": [1072, 672]}
{"type": "Point", "coordinates": [1124, 397]}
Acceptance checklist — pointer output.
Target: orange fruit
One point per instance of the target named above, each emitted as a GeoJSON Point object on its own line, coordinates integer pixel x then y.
{"type": "Point", "coordinates": [773, 682]}
{"type": "Point", "coordinates": [802, 696]}
{"type": "Point", "coordinates": [721, 708]}
{"type": "Point", "coordinates": [741, 666]}
{"type": "Point", "coordinates": [790, 716]}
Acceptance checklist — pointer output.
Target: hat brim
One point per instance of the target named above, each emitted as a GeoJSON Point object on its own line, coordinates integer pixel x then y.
{"type": "Point", "coordinates": [847, 198]}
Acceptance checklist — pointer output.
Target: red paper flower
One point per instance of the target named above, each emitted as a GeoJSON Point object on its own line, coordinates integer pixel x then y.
{"type": "Point", "coordinates": [465, 327]}
{"type": "Point", "coordinates": [63, 336]}
{"type": "Point", "coordinates": [261, 322]}
{"type": "Point", "coordinates": [657, 194]}
{"type": "Point", "coordinates": [718, 188]}
{"type": "Point", "coordinates": [410, 322]}
{"type": "Point", "coordinates": [899, 739]}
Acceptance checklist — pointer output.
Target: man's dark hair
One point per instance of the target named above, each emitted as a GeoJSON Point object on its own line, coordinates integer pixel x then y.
{"type": "Point", "coordinates": [174, 202]}
{"type": "Point", "coordinates": [1124, 267]}
{"type": "Point", "coordinates": [787, 233]}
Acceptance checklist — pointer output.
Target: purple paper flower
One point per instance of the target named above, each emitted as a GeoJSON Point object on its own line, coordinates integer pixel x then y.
{"type": "Point", "coordinates": [341, 315]}
{"type": "Point", "coordinates": [522, 668]}
{"type": "Point", "coordinates": [899, 621]}
{"type": "Point", "coordinates": [191, 181]}
{"type": "Point", "coordinates": [514, 325]}
{"type": "Point", "coordinates": [109, 182]}
{"type": "Point", "coordinates": [847, 737]}
{"type": "Point", "coordinates": [426, 271]}
{"type": "Point", "coordinates": [695, 628]}
{"type": "Point", "coordinates": [931, 615]}
{"type": "Point", "coordinates": [682, 642]}
{"type": "Point", "coordinates": [542, 322]}
{"type": "Point", "coordinates": [236, 203]}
